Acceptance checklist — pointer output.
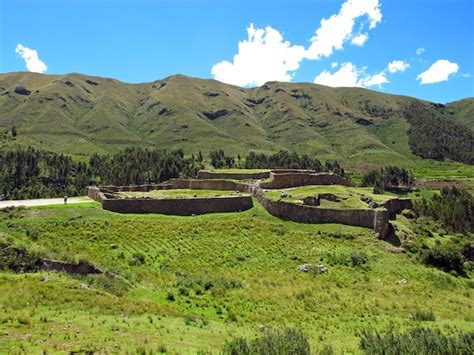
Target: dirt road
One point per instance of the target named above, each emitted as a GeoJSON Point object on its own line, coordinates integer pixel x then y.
{"type": "Point", "coordinates": [43, 202]}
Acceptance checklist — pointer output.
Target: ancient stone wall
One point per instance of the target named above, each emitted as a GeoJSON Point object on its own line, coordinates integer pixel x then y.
{"type": "Point", "coordinates": [208, 185]}
{"type": "Point", "coordinates": [396, 205]}
{"type": "Point", "coordinates": [137, 188]}
{"type": "Point", "coordinates": [95, 193]}
{"type": "Point", "coordinates": [286, 180]}
{"type": "Point", "coordinates": [180, 207]}
{"type": "Point", "coordinates": [204, 174]}
{"type": "Point", "coordinates": [369, 218]}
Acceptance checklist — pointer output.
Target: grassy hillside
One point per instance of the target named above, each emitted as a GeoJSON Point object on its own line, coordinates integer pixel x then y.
{"type": "Point", "coordinates": [463, 111]}
{"type": "Point", "coordinates": [79, 115]}
{"type": "Point", "coordinates": [189, 283]}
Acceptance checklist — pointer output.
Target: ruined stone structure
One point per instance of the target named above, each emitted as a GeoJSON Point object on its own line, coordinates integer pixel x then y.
{"type": "Point", "coordinates": [282, 179]}
{"type": "Point", "coordinates": [374, 218]}
{"type": "Point", "coordinates": [174, 206]}
{"type": "Point", "coordinates": [179, 206]}
{"type": "Point", "coordinates": [204, 174]}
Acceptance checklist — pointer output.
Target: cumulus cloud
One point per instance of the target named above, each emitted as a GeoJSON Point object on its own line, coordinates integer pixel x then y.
{"type": "Point", "coordinates": [438, 71]}
{"type": "Point", "coordinates": [266, 56]}
{"type": "Point", "coordinates": [31, 58]}
{"type": "Point", "coordinates": [375, 80]}
{"type": "Point", "coordinates": [339, 28]}
{"type": "Point", "coordinates": [420, 51]}
{"type": "Point", "coordinates": [334, 65]}
{"type": "Point", "coordinates": [360, 39]}
{"type": "Point", "coordinates": [397, 66]}
{"type": "Point", "coordinates": [349, 75]}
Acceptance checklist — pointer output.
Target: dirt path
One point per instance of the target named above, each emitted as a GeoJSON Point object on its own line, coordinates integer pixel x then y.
{"type": "Point", "coordinates": [43, 202]}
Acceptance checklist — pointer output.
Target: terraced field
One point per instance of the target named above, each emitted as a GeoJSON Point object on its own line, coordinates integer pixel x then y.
{"type": "Point", "coordinates": [186, 284]}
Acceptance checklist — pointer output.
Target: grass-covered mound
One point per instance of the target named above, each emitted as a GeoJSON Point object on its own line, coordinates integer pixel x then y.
{"type": "Point", "coordinates": [185, 284]}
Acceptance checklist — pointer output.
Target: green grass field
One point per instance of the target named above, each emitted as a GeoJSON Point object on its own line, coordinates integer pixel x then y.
{"type": "Point", "coordinates": [349, 196]}
{"type": "Point", "coordinates": [205, 279]}
{"type": "Point", "coordinates": [178, 193]}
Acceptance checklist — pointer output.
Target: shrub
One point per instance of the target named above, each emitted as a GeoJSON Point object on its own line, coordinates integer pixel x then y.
{"type": "Point", "coordinates": [416, 341]}
{"type": "Point", "coordinates": [288, 341]}
{"type": "Point", "coordinates": [425, 316]}
{"type": "Point", "coordinates": [359, 258]}
{"type": "Point", "coordinates": [137, 259]}
{"type": "Point", "coordinates": [445, 258]}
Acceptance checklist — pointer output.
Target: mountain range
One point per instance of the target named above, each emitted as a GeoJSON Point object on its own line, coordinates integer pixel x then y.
{"type": "Point", "coordinates": [80, 115]}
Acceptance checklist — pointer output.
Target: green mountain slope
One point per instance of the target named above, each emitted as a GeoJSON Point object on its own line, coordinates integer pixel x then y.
{"type": "Point", "coordinates": [80, 114]}
{"type": "Point", "coordinates": [463, 111]}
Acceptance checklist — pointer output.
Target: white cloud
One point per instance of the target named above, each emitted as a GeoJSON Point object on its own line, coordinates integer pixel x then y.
{"type": "Point", "coordinates": [264, 56]}
{"type": "Point", "coordinates": [360, 39]}
{"type": "Point", "coordinates": [346, 76]}
{"type": "Point", "coordinates": [439, 71]}
{"type": "Point", "coordinates": [397, 66]}
{"type": "Point", "coordinates": [375, 80]}
{"type": "Point", "coordinates": [339, 28]}
{"type": "Point", "coordinates": [32, 61]}
{"type": "Point", "coordinates": [334, 65]}
{"type": "Point", "coordinates": [420, 51]}
{"type": "Point", "coordinates": [349, 75]}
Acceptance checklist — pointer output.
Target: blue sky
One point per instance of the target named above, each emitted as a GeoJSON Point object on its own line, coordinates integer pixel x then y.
{"type": "Point", "coordinates": [368, 43]}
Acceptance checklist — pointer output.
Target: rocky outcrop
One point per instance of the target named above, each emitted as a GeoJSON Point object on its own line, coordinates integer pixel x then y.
{"type": "Point", "coordinates": [82, 268]}
{"type": "Point", "coordinates": [215, 114]}
{"type": "Point", "coordinates": [20, 90]}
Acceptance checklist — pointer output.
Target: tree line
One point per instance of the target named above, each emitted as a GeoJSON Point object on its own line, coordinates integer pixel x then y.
{"type": "Point", "coordinates": [388, 178]}
{"type": "Point", "coordinates": [280, 160]}
{"type": "Point", "coordinates": [453, 208]}
{"type": "Point", "coordinates": [31, 173]}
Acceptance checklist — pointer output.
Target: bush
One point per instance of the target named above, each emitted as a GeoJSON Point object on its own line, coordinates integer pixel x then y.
{"type": "Point", "coordinates": [288, 341]}
{"type": "Point", "coordinates": [137, 259]}
{"type": "Point", "coordinates": [445, 258]}
{"type": "Point", "coordinates": [424, 316]}
{"type": "Point", "coordinates": [416, 341]}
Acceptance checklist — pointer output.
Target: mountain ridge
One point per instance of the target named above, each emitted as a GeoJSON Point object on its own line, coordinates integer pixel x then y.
{"type": "Point", "coordinates": [80, 114]}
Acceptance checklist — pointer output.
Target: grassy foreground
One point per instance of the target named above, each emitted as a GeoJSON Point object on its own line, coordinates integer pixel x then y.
{"type": "Point", "coordinates": [186, 284]}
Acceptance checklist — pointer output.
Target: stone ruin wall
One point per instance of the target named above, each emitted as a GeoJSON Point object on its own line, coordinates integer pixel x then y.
{"type": "Point", "coordinates": [179, 206]}
{"type": "Point", "coordinates": [208, 185]}
{"type": "Point", "coordinates": [396, 205]}
{"type": "Point", "coordinates": [106, 195]}
{"type": "Point", "coordinates": [376, 219]}
{"type": "Point", "coordinates": [286, 180]}
{"type": "Point", "coordinates": [204, 174]}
